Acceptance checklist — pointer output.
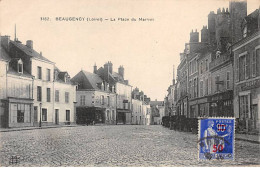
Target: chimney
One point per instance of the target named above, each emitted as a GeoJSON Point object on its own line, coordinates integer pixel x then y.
{"type": "Point", "coordinates": [204, 35]}
{"type": "Point", "coordinates": [121, 71]}
{"type": "Point", "coordinates": [194, 36]}
{"type": "Point", "coordinates": [29, 43]}
{"type": "Point", "coordinates": [95, 69]}
{"type": "Point", "coordinates": [5, 41]}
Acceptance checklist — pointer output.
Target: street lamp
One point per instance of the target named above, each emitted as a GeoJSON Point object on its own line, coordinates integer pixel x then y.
{"type": "Point", "coordinates": [40, 125]}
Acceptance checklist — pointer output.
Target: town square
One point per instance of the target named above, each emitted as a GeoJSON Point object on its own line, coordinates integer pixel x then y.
{"type": "Point", "coordinates": [150, 85]}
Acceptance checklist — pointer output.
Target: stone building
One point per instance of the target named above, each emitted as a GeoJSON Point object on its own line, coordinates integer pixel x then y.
{"type": "Point", "coordinates": [205, 73]}
{"type": "Point", "coordinates": [122, 88]}
{"type": "Point", "coordinates": [115, 91]}
{"type": "Point", "coordinates": [170, 99]}
{"type": "Point", "coordinates": [141, 113]}
{"type": "Point", "coordinates": [246, 54]}
{"type": "Point", "coordinates": [157, 112]}
{"type": "Point", "coordinates": [38, 92]}
{"type": "Point", "coordinates": [95, 100]}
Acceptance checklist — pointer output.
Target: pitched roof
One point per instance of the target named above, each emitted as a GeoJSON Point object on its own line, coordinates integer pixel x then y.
{"type": "Point", "coordinates": [30, 52]}
{"type": "Point", "coordinates": [93, 79]}
{"type": "Point", "coordinates": [14, 72]}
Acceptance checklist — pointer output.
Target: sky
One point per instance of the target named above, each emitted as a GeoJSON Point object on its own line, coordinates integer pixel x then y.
{"type": "Point", "coordinates": [147, 49]}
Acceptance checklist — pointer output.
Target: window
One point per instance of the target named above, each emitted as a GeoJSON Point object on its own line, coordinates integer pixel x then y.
{"type": "Point", "coordinates": [201, 88]}
{"type": "Point", "coordinates": [20, 66]}
{"type": "Point", "coordinates": [48, 75]}
{"type": "Point", "coordinates": [66, 97]}
{"type": "Point", "coordinates": [201, 67]}
{"type": "Point", "coordinates": [195, 87]}
{"type": "Point", "coordinates": [217, 83]}
{"type": "Point", "coordinates": [207, 87]}
{"type": "Point", "coordinates": [245, 31]}
{"type": "Point", "coordinates": [102, 100]}
{"type": "Point", "coordinates": [20, 116]}
{"type": "Point", "coordinates": [237, 69]}
{"type": "Point", "coordinates": [44, 114]}
{"type": "Point", "coordinates": [228, 80]}
{"type": "Point", "coordinates": [108, 101]}
{"type": "Point", "coordinates": [67, 115]}
{"type": "Point", "coordinates": [57, 96]}
{"type": "Point", "coordinates": [206, 64]}
{"type": "Point", "coordinates": [107, 114]}
{"type": "Point", "coordinates": [242, 66]}
{"type": "Point", "coordinates": [243, 110]}
{"type": "Point", "coordinates": [253, 64]}
{"type": "Point", "coordinates": [257, 54]}
{"type": "Point", "coordinates": [82, 100]}
{"type": "Point", "coordinates": [39, 72]}
{"type": "Point", "coordinates": [39, 93]}
{"type": "Point", "coordinates": [113, 115]}
{"type": "Point", "coordinates": [48, 95]}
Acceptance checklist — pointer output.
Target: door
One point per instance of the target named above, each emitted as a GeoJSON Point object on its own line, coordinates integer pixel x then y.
{"type": "Point", "coordinates": [35, 117]}
{"type": "Point", "coordinates": [56, 116]}
{"type": "Point", "coordinates": [254, 116]}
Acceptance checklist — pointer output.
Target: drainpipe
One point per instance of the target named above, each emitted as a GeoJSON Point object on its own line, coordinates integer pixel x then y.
{"type": "Point", "coordinates": [131, 105]}
{"type": "Point", "coordinates": [6, 93]}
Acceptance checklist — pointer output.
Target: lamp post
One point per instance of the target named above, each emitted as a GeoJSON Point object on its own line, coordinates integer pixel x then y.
{"type": "Point", "coordinates": [40, 125]}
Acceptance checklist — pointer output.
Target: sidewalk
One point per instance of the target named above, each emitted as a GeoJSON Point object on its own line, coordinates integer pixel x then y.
{"type": "Point", "coordinates": [248, 138]}
{"type": "Point", "coordinates": [32, 128]}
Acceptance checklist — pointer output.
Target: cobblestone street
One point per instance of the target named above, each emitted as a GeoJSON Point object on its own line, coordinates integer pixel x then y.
{"type": "Point", "coordinates": [121, 145]}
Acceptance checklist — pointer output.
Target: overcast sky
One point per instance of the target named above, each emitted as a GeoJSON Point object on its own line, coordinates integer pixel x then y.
{"type": "Point", "coordinates": [147, 50]}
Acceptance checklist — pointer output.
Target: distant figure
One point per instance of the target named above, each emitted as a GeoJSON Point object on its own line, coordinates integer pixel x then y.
{"type": "Point", "coordinates": [93, 122]}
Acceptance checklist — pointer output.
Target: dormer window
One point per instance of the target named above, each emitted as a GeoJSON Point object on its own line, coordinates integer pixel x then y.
{"type": "Point", "coordinates": [245, 31]}
{"type": "Point", "coordinates": [20, 66]}
{"type": "Point", "coordinates": [218, 54]}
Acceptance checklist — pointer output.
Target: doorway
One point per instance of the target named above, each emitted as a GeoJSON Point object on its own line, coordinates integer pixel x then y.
{"type": "Point", "coordinates": [56, 116]}
{"type": "Point", "coordinates": [254, 116]}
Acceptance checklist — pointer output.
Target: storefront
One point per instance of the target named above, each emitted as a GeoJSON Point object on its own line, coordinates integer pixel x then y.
{"type": "Point", "coordinates": [18, 112]}
{"type": "Point", "coordinates": [221, 104]}
{"type": "Point", "coordinates": [248, 99]}
{"type": "Point", "coordinates": [86, 115]}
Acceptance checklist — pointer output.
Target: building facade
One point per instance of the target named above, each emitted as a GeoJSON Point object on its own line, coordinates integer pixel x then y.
{"type": "Point", "coordinates": [95, 102]}
{"type": "Point", "coordinates": [34, 82]}
{"type": "Point", "coordinates": [246, 54]}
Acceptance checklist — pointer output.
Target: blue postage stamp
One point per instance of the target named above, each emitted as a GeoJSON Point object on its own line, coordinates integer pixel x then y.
{"type": "Point", "coordinates": [216, 138]}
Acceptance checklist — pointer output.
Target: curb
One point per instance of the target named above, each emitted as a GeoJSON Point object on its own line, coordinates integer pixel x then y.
{"type": "Point", "coordinates": [248, 140]}
{"type": "Point", "coordinates": [45, 127]}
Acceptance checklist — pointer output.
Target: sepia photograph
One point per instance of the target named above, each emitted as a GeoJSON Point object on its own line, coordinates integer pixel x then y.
{"type": "Point", "coordinates": [130, 83]}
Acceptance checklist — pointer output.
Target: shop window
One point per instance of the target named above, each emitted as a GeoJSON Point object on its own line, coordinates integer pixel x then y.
{"type": "Point", "coordinates": [20, 116]}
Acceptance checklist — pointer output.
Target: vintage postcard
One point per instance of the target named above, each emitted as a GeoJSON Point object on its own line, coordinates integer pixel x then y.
{"type": "Point", "coordinates": [129, 83]}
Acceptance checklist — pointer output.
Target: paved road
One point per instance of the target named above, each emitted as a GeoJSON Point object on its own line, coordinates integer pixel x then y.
{"type": "Point", "coordinates": [122, 145]}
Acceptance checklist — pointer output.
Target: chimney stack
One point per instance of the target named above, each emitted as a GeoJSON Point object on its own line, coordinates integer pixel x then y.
{"type": "Point", "coordinates": [121, 71]}
{"type": "Point", "coordinates": [194, 36]}
{"type": "Point", "coordinates": [29, 43]}
{"type": "Point", "coordinates": [95, 69]}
